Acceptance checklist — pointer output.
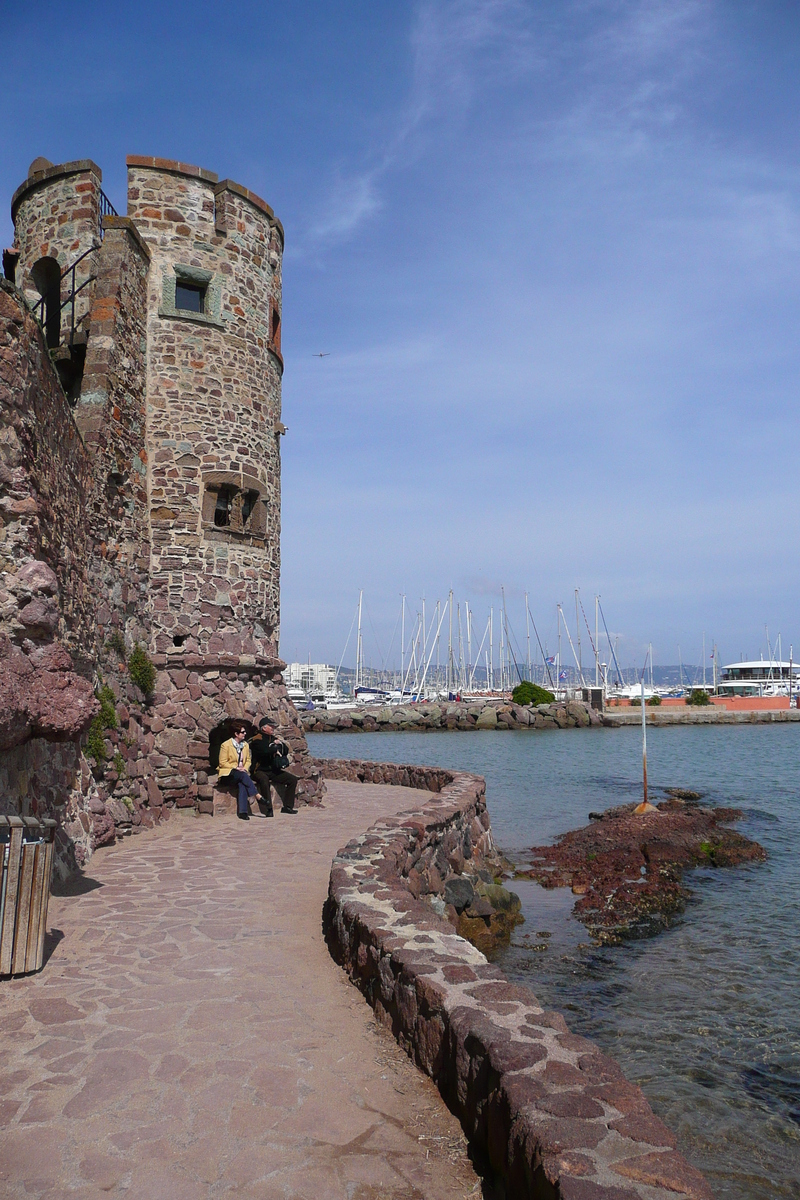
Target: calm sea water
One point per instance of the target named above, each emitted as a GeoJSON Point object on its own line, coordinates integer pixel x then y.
{"type": "Point", "coordinates": [706, 1016]}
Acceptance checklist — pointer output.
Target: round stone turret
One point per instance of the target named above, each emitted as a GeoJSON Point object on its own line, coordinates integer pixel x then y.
{"type": "Point", "coordinates": [213, 411]}
{"type": "Point", "coordinates": [56, 214]}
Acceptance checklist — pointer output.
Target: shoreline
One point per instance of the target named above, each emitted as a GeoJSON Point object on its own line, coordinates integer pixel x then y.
{"type": "Point", "coordinates": [544, 1109]}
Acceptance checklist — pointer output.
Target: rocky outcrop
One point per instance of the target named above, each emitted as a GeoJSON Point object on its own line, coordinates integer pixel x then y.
{"type": "Point", "coordinates": [41, 696]}
{"type": "Point", "coordinates": [456, 715]}
{"type": "Point", "coordinates": [627, 870]}
{"type": "Point", "coordinates": [544, 1110]}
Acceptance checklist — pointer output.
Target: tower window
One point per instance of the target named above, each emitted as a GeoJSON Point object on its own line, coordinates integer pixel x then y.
{"type": "Point", "coordinates": [233, 507]}
{"type": "Point", "coordinates": [224, 505]}
{"type": "Point", "coordinates": [274, 325]}
{"type": "Point", "coordinates": [190, 297]}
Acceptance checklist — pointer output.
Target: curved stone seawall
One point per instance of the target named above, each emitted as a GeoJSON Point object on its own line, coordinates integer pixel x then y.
{"type": "Point", "coordinates": [552, 1117]}
{"type": "Point", "coordinates": [456, 715]}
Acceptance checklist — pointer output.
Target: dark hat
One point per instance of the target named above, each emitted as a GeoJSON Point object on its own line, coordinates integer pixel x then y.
{"type": "Point", "coordinates": [270, 721]}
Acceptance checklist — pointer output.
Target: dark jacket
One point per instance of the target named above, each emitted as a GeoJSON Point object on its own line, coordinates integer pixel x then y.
{"type": "Point", "coordinates": [269, 753]}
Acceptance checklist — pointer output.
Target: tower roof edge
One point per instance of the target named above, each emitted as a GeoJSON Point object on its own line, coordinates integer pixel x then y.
{"type": "Point", "coordinates": [171, 165]}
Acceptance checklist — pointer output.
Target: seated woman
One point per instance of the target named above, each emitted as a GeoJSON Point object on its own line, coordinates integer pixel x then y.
{"type": "Point", "coordinates": [234, 763]}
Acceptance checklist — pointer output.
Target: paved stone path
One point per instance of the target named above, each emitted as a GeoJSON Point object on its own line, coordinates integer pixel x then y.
{"type": "Point", "coordinates": [191, 1038]}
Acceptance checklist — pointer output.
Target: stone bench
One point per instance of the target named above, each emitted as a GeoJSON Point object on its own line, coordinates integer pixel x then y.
{"type": "Point", "coordinates": [222, 801]}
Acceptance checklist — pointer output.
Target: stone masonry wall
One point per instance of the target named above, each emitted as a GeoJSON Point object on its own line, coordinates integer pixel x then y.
{"type": "Point", "coordinates": [107, 539]}
{"type": "Point", "coordinates": [213, 417]}
{"type": "Point", "coordinates": [213, 406]}
{"type": "Point", "coordinates": [46, 599]}
{"type": "Point", "coordinates": [111, 417]}
{"type": "Point", "coordinates": [544, 1110]}
{"type": "Point", "coordinates": [56, 212]}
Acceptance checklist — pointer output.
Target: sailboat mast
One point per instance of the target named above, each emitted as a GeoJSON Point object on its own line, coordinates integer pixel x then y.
{"type": "Point", "coordinates": [402, 642]}
{"type": "Point", "coordinates": [596, 642]}
{"type": "Point", "coordinates": [450, 647]}
{"type": "Point", "coordinates": [469, 645]}
{"type": "Point", "coordinates": [558, 654]}
{"type": "Point", "coordinates": [359, 665]}
{"type": "Point", "coordinates": [578, 633]}
{"type": "Point", "coordinates": [528, 635]}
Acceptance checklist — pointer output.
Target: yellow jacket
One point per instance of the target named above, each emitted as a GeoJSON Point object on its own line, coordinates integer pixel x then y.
{"type": "Point", "coordinates": [229, 758]}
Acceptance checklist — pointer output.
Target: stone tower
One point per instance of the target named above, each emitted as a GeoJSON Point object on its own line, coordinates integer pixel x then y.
{"type": "Point", "coordinates": [165, 328]}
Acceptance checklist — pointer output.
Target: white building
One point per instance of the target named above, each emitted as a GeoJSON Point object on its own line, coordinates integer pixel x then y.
{"type": "Point", "coordinates": [311, 678]}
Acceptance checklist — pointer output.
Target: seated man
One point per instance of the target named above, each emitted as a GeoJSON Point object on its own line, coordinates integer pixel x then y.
{"type": "Point", "coordinates": [271, 758]}
{"type": "Point", "coordinates": [234, 763]}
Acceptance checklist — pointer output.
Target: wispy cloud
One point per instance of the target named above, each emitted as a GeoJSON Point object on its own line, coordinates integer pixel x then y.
{"type": "Point", "coordinates": [455, 44]}
{"type": "Point", "coordinates": [347, 205]}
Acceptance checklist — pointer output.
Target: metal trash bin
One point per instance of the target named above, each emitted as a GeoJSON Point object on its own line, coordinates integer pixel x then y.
{"type": "Point", "coordinates": [26, 845]}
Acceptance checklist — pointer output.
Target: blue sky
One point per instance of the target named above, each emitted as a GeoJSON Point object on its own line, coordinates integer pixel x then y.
{"type": "Point", "coordinates": [553, 250]}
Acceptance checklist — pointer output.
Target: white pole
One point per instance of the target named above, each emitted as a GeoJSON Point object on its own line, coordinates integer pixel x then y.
{"type": "Point", "coordinates": [558, 652]}
{"type": "Point", "coordinates": [469, 645]}
{"type": "Point", "coordinates": [358, 641]}
{"type": "Point", "coordinates": [528, 634]}
{"type": "Point", "coordinates": [578, 634]}
{"type": "Point", "coordinates": [402, 643]}
{"type": "Point", "coordinates": [430, 656]}
{"type": "Point", "coordinates": [450, 647]}
{"type": "Point", "coordinates": [572, 648]}
{"type": "Point", "coordinates": [645, 806]}
{"type": "Point", "coordinates": [490, 681]}
{"type": "Point", "coordinates": [478, 656]}
{"type": "Point", "coordinates": [790, 674]}
{"type": "Point", "coordinates": [596, 644]}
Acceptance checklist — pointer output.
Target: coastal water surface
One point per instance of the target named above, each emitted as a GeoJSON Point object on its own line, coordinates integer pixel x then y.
{"type": "Point", "coordinates": [706, 1016]}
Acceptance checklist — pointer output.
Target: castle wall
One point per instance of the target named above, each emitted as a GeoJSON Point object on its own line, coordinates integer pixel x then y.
{"type": "Point", "coordinates": [110, 500]}
{"type": "Point", "coordinates": [110, 415]}
{"type": "Point", "coordinates": [46, 475]}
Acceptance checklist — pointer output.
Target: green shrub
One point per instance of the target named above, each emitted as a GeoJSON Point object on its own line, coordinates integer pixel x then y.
{"type": "Point", "coordinates": [636, 701]}
{"type": "Point", "coordinates": [108, 711]}
{"type": "Point", "coordinates": [119, 764]}
{"type": "Point", "coordinates": [95, 743]}
{"type": "Point", "coordinates": [141, 670]}
{"type": "Point", "coordinates": [699, 697]}
{"type": "Point", "coordinates": [654, 701]}
{"type": "Point", "coordinates": [117, 643]}
{"type": "Point", "coordinates": [531, 693]}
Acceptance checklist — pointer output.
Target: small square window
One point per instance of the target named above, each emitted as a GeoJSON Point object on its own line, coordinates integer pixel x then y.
{"type": "Point", "coordinates": [190, 297]}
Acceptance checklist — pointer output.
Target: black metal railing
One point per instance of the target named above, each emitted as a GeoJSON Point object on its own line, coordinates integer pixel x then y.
{"type": "Point", "coordinates": [106, 210]}
{"type": "Point", "coordinates": [41, 309]}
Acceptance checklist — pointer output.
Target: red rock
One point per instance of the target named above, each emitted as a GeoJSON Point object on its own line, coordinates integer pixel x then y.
{"type": "Point", "coordinates": [40, 614]}
{"type": "Point", "coordinates": [572, 1104]}
{"type": "Point", "coordinates": [54, 704]}
{"type": "Point", "coordinates": [666, 1170]}
{"type": "Point", "coordinates": [571, 1188]}
{"type": "Point", "coordinates": [645, 1127]}
{"type": "Point", "coordinates": [37, 576]}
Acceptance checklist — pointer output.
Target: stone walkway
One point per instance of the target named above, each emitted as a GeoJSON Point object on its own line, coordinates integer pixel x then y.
{"type": "Point", "coordinates": [191, 1038]}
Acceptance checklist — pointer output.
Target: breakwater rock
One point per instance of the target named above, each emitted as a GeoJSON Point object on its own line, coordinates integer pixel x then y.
{"type": "Point", "coordinates": [456, 715]}
{"type": "Point", "coordinates": [547, 1114]}
{"type": "Point", "coordinates": [627, 870]}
